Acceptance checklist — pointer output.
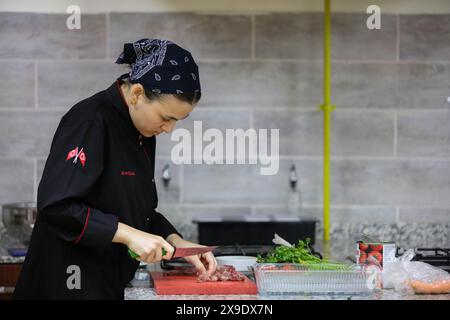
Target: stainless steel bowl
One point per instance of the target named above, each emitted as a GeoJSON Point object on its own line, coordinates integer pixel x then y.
{"type": "Point", "coordinates": [18, 219]}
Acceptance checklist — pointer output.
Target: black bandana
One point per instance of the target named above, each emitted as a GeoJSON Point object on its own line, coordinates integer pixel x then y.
{"type": "Point", "coordinates": [161, 66]}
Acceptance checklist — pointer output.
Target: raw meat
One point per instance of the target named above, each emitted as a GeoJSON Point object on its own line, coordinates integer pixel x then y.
{"type": "Point", "coordinates": [223, 273]}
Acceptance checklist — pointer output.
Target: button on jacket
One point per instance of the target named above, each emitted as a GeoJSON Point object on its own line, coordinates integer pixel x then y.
{"type": "Point", "coordinates": [100, 171]}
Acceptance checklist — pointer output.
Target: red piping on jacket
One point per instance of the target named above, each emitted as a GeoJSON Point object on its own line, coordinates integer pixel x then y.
{"type": "Point", "coordinates": [85, 226]}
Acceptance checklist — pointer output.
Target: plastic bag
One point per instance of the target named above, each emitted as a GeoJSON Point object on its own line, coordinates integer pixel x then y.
{"type": "Point", "coordinates": [414, 276]}
{"type": "Point", "coordinates": [279, 240]}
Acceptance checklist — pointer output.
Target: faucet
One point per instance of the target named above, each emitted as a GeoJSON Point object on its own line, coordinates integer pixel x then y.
{"type": "Point", "coordinates": [166, 175]}
{"type": "Point", "coordinates": [293, 177]}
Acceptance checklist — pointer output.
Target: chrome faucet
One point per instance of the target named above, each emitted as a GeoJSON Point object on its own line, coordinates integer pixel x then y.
{"type": "Point", "coordinates": [166, 175]}
{"type": "Point", "coordinates": [293, 177]}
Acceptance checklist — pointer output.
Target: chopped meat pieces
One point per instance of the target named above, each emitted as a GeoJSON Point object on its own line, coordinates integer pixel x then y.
{"type": "Point", "coordinates": [223, 273]}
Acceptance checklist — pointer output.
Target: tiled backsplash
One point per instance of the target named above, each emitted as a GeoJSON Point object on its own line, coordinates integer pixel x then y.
{"type": "Point", "coordinates": [390, 131]}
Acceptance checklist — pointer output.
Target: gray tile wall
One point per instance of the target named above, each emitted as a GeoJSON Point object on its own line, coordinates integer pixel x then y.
{"type": "Point", "coordinates": [391, 128]}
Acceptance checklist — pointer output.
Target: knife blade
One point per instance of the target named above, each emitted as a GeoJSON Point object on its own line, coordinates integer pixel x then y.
{"type": "Point", "coordinates": [186, 252]}
{"type": "Point", "coordinates": [180, 252]}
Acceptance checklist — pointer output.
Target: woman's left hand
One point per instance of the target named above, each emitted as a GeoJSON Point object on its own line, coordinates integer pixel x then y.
{"type": "Point", "coordinates": [204, 262]}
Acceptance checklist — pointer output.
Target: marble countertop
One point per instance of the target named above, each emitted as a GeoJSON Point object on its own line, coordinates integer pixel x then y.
{"type": "Point", "coordinates": [142, 290]}
{"type": "Point", "coordinates": [387, 294]}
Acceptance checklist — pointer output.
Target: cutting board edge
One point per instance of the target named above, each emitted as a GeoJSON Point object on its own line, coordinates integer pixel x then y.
{"type": "Point", "coordinates": [164, 287]}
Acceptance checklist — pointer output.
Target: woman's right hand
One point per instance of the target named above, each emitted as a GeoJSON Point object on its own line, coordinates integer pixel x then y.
{"type": "Point", "coordinates": [147, 246]}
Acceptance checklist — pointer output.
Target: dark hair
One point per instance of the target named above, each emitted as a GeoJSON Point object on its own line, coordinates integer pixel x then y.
{"type": "Point", "coordinates": [189, 97]}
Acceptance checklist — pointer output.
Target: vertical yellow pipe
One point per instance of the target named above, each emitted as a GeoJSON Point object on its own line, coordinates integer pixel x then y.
{"type": "Point", "coordinates": [327, 109]}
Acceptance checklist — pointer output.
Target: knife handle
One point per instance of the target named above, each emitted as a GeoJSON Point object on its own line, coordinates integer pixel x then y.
{"type": "Point", "coordinates": [134, 255]}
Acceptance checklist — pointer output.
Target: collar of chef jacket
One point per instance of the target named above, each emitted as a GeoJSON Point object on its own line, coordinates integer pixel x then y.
{"type": "Point", "coordinates": [115, 96]}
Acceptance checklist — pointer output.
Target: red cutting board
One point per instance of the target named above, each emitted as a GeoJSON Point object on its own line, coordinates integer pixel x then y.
{"type": "Point", "coordinates": [173, 282]}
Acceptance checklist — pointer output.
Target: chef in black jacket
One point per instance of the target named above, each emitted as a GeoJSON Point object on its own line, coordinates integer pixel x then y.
{"type": "Point", "coordinates": [97, 196]}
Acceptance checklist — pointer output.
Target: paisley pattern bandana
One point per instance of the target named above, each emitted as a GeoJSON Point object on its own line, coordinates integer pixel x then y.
{"type": "Point", "coordinates": [160, 66]}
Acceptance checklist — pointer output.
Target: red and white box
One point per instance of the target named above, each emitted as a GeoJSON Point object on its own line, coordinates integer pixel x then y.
{"type": "Point", "coordinates": [374, 253]}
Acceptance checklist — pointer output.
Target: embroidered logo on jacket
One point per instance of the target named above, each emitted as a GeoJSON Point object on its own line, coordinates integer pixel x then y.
{"type": "Point", "coordinates": [127, 173]}
{"type": "Point", "coordinates": [77, 155]}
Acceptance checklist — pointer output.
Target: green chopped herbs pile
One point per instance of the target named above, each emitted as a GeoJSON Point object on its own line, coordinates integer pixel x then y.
{"type": "Point", "coordinates": [300, 254]}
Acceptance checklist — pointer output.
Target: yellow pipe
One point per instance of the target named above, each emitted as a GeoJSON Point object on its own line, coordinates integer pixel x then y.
{"type": "Point", "coordinates": [326, 54]}
{"type": "Point", "coordinates": [327, 108]}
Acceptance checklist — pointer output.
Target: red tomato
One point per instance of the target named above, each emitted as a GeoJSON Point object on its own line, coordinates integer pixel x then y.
{"type": "Point", "coordinates": [362, 257]}
{"type": "Point", "coordinates": [269, 267]}
{"type": "Point", "coordinates": [363, 246]}
{"type": "Point", "coordinates": [376, 247]}
{"type": "Point", "coordinates": [377, 255]}
{"type": "Point", "coordinates": [287, 267]}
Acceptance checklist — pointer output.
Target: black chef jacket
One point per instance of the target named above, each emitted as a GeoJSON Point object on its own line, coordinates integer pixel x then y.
{"type": "Point", "coordinates": [100, 171]}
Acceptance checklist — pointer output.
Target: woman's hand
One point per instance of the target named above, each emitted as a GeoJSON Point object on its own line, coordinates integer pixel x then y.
{"type": "Point", "coordinates": [204, 262]}
{"type": "Point", "coordinates": [147, 246]}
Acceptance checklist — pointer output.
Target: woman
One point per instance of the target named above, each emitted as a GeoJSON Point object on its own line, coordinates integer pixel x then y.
{"type": "Point", "coordinates": [97, 196]}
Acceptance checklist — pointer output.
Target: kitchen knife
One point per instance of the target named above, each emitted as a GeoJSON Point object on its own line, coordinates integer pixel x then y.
{"type": "Point", "coordinates": [180, 252]}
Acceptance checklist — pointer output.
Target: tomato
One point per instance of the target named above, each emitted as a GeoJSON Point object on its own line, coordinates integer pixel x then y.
{"type": "Point", "coordinates": [269, 267]}
{"type": "Point", "coordinates": [362, 257]}
{"type": "Point", "coordinates": [376, 254]}
{"type": "Point", "coordinates": [363, 246]}
{"type": "Point", "coordinates": [288, 267]}
{"type": "Point", "coordinates": [376, 247]}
